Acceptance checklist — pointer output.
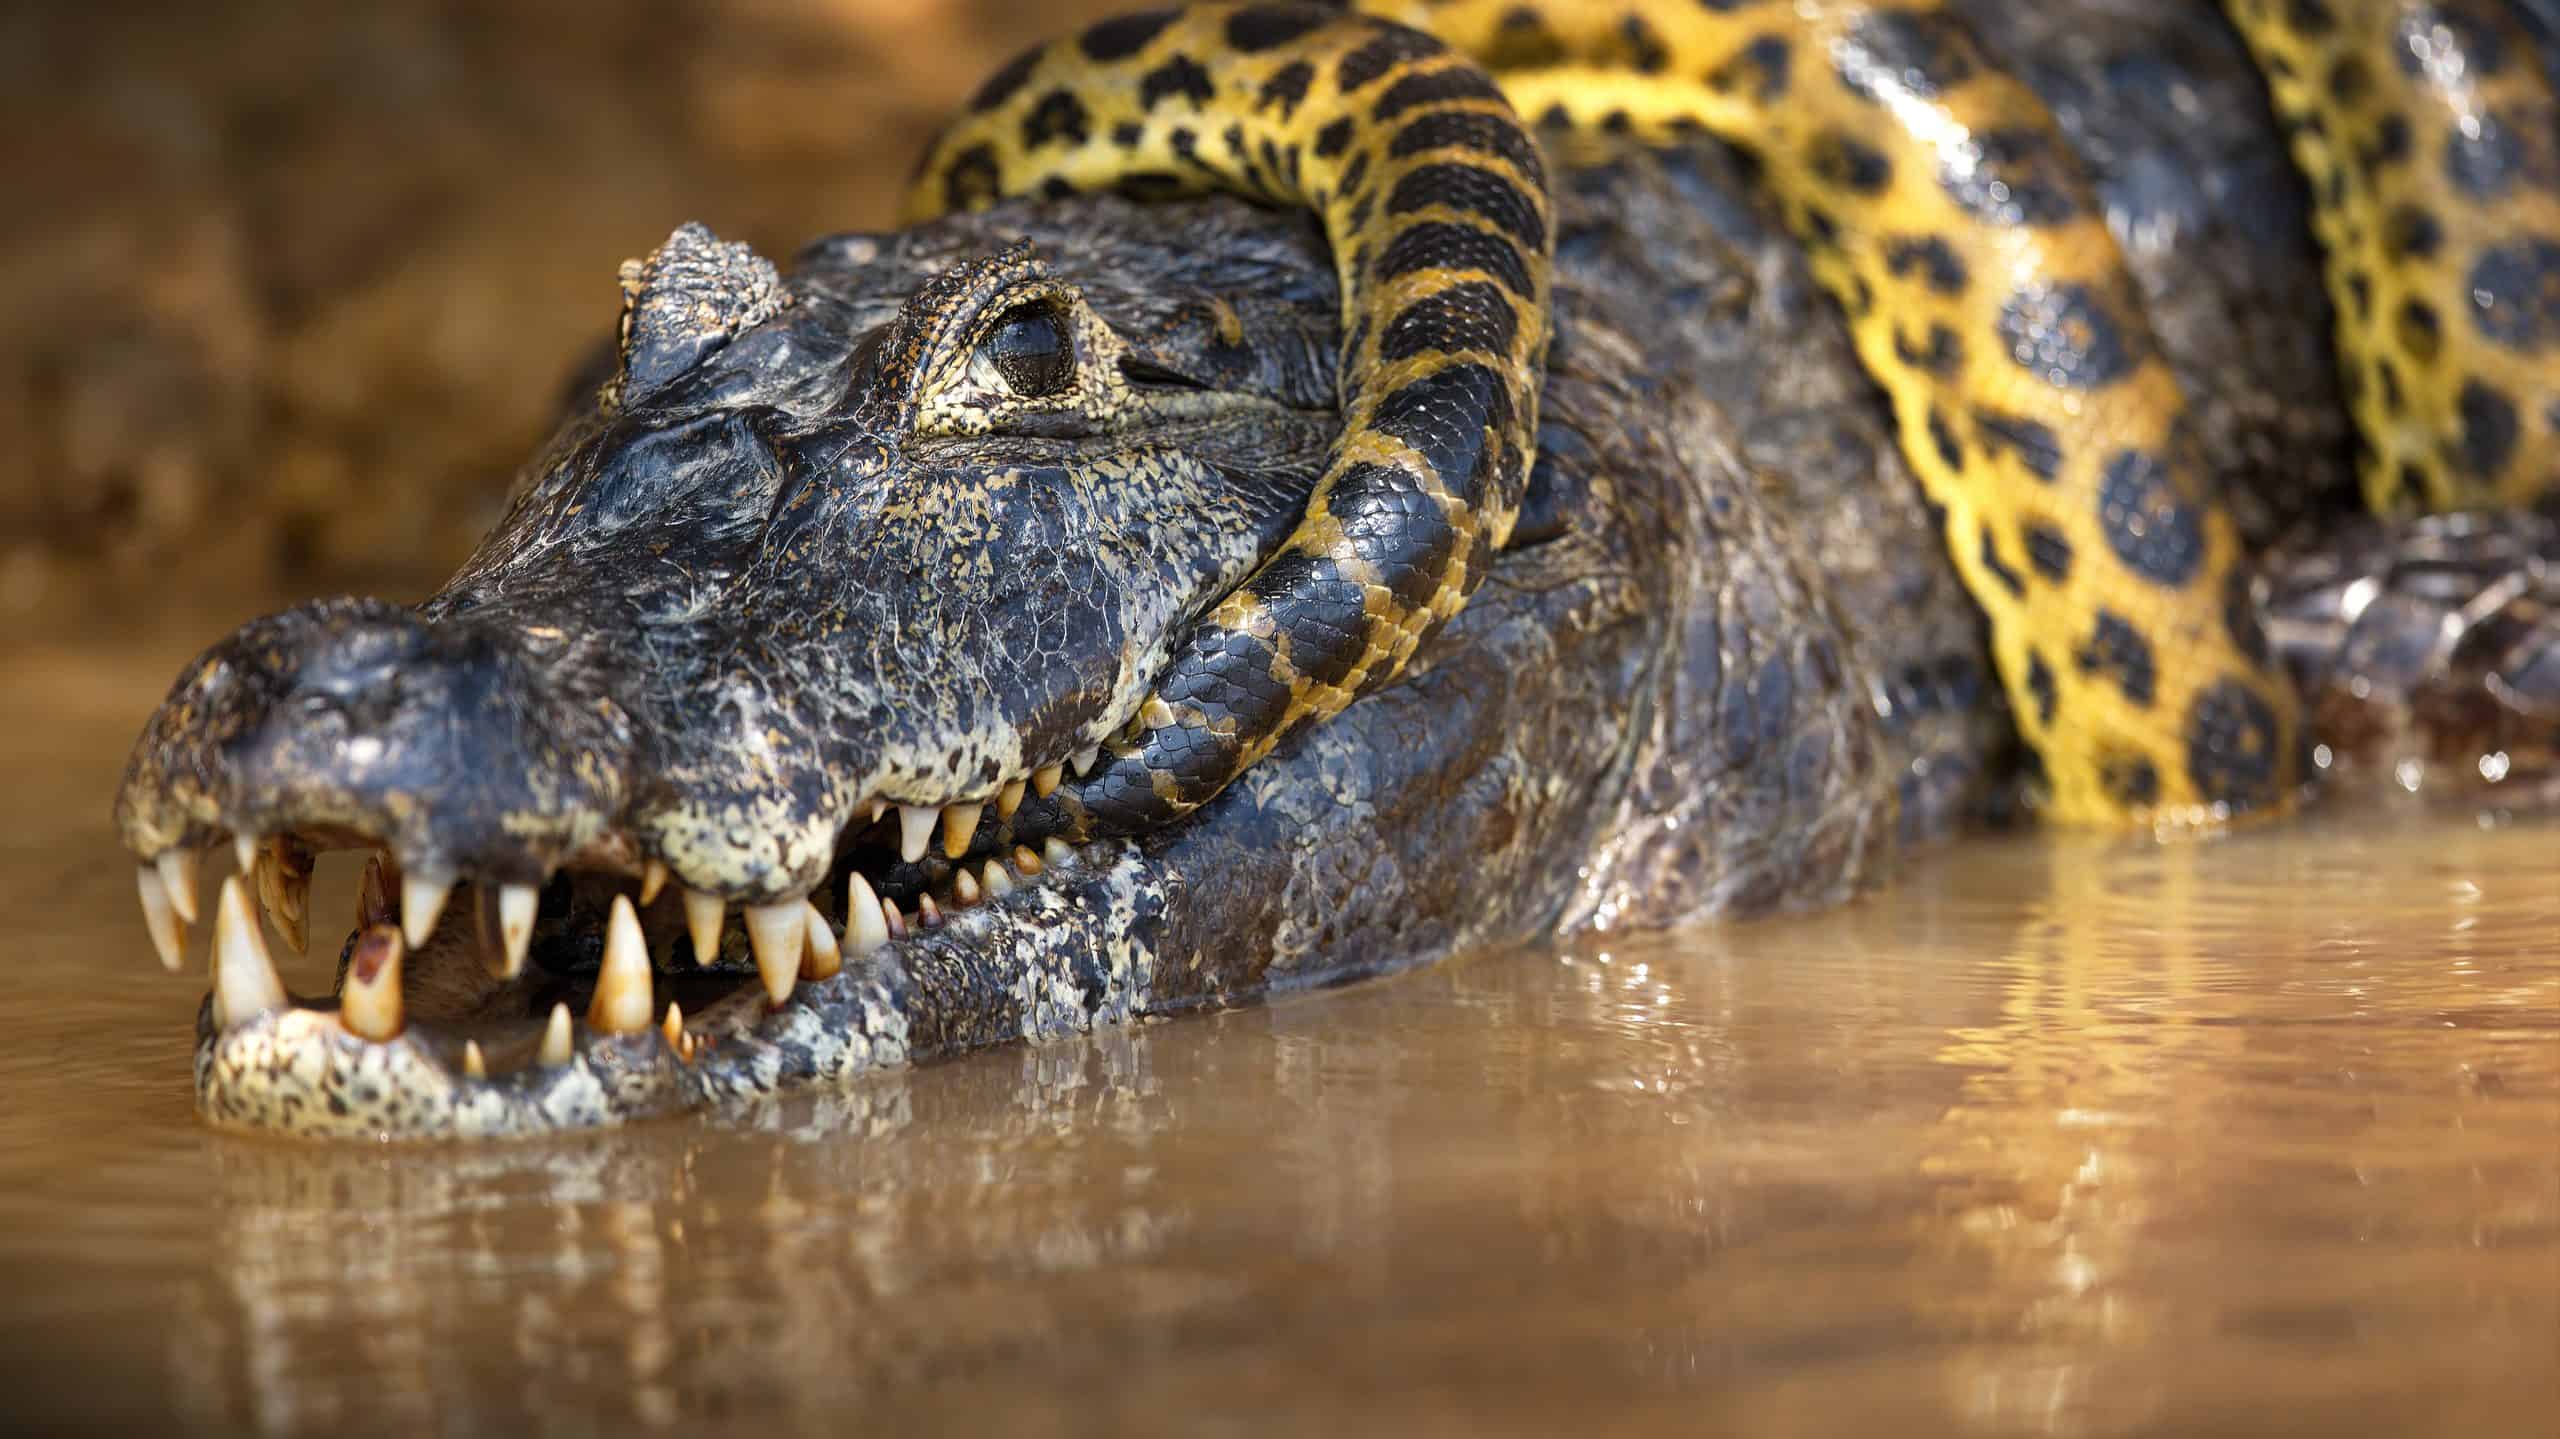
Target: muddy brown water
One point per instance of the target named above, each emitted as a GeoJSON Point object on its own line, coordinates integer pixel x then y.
{"type": "Point", "coordinates": [2056, 1136]}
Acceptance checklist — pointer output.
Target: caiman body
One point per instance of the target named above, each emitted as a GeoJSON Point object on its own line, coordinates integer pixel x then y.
{"type": "Point", "coordinates": [776, 600]}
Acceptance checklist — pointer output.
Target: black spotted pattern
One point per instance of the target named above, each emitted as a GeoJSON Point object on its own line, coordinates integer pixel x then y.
{"type": "Point", "coordinates": [2032, 442]}
{"type": "Point", "coordinates": [2515, 294]}
{"type": "Point", "coordinates": [1435, 244]}
{"type": "Point", "coordinates": [2152, 527]}
{"type": "Point", "coordinates": [1899, 52]}
{"type": "Point", "coordinates": [2069, 336]}
{"type": "Point", "coordinates": [2232, 743]}
{"type": "Point", "coordinates": [2013, 177]}
{"type": "Point", "coordinates": [1471, 191]}
{"type": "Point", "coordinates": [2117, 649]}
{"type": "Point", "coordinates": [1469, 316]}
{"type": "Point", "coordinates": [1445, 417]}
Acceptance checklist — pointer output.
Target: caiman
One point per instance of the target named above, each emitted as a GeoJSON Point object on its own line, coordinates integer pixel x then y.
{"type": "Point", "coordinates": [1314, 492]}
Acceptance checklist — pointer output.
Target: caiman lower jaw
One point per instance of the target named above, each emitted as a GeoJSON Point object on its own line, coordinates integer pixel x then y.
{"type": "Point", "coordinates": [459, 1038]}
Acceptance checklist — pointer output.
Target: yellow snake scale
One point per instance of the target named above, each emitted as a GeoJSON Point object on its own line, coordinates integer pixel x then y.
{"type": "Point", "coordinates": [1940, 208]}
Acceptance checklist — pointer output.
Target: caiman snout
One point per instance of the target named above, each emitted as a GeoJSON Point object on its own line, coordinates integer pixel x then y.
{"type": "Point", "coordinates": [350, 721]}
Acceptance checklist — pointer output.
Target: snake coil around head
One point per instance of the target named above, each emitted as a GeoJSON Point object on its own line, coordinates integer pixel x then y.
{"type": "Point", "coordinates": [1435, 200]}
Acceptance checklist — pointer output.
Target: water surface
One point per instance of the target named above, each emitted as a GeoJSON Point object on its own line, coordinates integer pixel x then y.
{"type": "Point", "coordinates": [2058, 1135]}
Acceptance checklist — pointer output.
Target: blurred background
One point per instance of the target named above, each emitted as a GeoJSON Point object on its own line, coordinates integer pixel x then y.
{"type": "Point", "coordinates": [288, 290]}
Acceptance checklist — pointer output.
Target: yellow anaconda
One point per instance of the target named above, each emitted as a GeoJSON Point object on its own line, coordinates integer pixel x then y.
{"type": "Point", "coordinates": [1944, 213]}
{"type": "Point", "coordinates": [2429, 136]}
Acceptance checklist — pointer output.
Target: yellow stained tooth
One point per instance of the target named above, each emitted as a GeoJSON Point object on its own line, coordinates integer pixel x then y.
{"type": "Point", "coordinates": [556, 1047]}
{"type": "Point", "coordinates": [422, 898]}
{"type": "Point", "coordinates": [673, 1027]}
{"type": "Point", "coordinates": [777, 933]}
{"type": "Point", "coordinates": [915, 830]}
{"type": "Point", "coordinates": [168, 932]}
{"type": "Point", "coordinates": [284, 891]}
{"type": "Point", "coordinates": [703, 916]}
{"type": "Point", "coordinates": [622, 1003]}
{"type": "Point", "coordinates": [959, 822]}
{"type": "Point", "coordinates": [244, 851]}
{"type": "Point", "coordinates": [474, 1066]}
{"type": "Point", "coordinates": [1008, 799]}
{"type": "Point", "coordinates": [995, 881]}
{"type": "Point", "coordinates": [928, 913]}
{"type": "Point", "coordinates": [516, 906]}
{"type": "Point", "coordinates": [178, 868]}
{"type": "Point", "coordinates": [1086, 759]}
{"type": "Point", "coordinates": [373, 895]}
{"type": "Point", "coordinates": [819, 956]}
{"type": "Point", "coordinates": [653, 878]}
{"type": "Point", "coordinates": [1027, 862]}
{"type": "Point", "coordinates": [1055, 850]}
{"type": "Point", "coordinates": [964, 890]}
{"type": "Point", "coordinates": [865, 927]}
{"type": "Point", "coordinates": [1045, 779]}
{"type": "Point", "coordinates": [245, 984]}
{"type": "Point", "coordinates": [369, 1001]}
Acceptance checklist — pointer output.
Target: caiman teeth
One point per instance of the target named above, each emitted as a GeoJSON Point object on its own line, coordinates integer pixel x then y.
{"type": "Point", "coordinates": [995, 881]}
{"type": "Point", "coordinates": [915, 828]}
{"type": "Point", "coordinates": [891, 920]}
{"type": "Point", "coordinates": [373, 895]}
{"type": "Point", "coordinates": [515, 907]}
{"type": "Point", "coordinates": [964, 890]}
{"type": "Point", "coordinates": [1027, 862]}
{"type": "Point", "coordinates": [865, 927]}
{"type": "Point", "coordinates": [703, 915]}
{"type": "Point", "coordinates": [244, 851]}
{"type": "Point", "coordinates": [777, 932]}
{"type": "Point", "coordinates": [283, 873]}
{"type": "Point", "coordinates": [1009, 799]}
{"type": "Point", "coordinates": [475, 1065]}
{"type": "Point", "coordinates": [555, 1038]}
{"type": "Point", "coordinates": [1044, 780]}
{"type": "Point", "coordinates": [1055, 850]}
{"type": "Point", "coordinates": [168, 932]}
{"type": "Point", "coordinates": [178, 868]}
{"type": "Point", "coordinates": [422, 898]}
{"type": "Point", "coordinates": [959, 822]}
{"type": "Point", "coordinates": [819, 956]}
{"type": "Point", "coordinates": [928, 913]}
{"type": "Point", "coordinates": [1086, 759]}
{"type": "Point", "coordinates": [369, 1002]}
{"type": "Point", "coordinates": [245, 983]}
{"type": "Point", "coordinates": [653, 878]}
{"type": "Point", "coordinates": [622, 1002]}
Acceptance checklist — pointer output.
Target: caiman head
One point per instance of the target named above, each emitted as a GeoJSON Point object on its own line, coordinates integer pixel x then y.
{"type": "Point", "coordinates": [775, 659]}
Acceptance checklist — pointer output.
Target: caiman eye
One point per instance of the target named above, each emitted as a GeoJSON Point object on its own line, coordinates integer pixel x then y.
{"type": "Point", "coordinates": [1030, 349]}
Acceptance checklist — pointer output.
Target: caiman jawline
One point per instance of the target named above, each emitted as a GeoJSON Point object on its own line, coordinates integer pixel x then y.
{"type": "Point", "coordinates": [436, 1005]}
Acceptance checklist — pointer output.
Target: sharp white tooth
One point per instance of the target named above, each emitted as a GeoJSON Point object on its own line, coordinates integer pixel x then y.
{"type": "Point", "coordinates": [653, 878]}
{"type": "Point", "coordinates": [369, 1002]}
{"type": "Point", "coordinates": [474, 1065]}
{"type": "Point", "coordinates": [777, 932]}
{"type": "Point", "coordinates": [622, 1002]}
{"type": "Point", "coordinates": [245, 984]}
{"type": "Point", "coordinates": [1086, 759]}
{"type": "Point", "coordinates": [865, 927]}
{"type": "Point", "coordinates": [284, 892]}
{"type": "Point", "coordinates": [997, 883]}
{"type": "Point", "coordinates": [964, 890]}
{"type": "Point", "coordinates": [1044, 780]}
{"type": "Point", "coordinates": [915, 828]}
{"type": "Point", "coordinates": [959, 822]}
{"type": "Point", "coordinates": [1008, 799]}
{"type": "Point", "coordinates": [555, 1037]}
{"type": "Point", "coordinates": [178, 872]}
{"type": "Point", "coordinates": [1056, 850]}
{"type": "Point", "coordinates": [373, 895]}
{"type": "Point", "coordinates": [421, 905]}
{"type": "Point", "coordinates": [873, 808]}
{"type": "Point", "coordinates": [1027, 862]}
{"type": "Point", "coordinates": [673, 1027]}
{"type": "Point", "coordinates": [244, 851]}
{"type": "Point", "coordinates": [516, 906]}
{"type": "Point", "coordinates": [891, 920]}
{"type": "Point", "coordinates": [928, 914]}
{"type": "Point", "coordinates": [168, 932]}
{"type": "Point", "coordinates": [703, 916]}
{"type": "Point", "coordinates": [819, 956]}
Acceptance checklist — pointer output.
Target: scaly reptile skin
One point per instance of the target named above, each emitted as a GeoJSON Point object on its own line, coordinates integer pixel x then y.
{"type": "Point", "coordinates": [1435, 200]}
{"type": "Point", "coordinates": [885, 543]}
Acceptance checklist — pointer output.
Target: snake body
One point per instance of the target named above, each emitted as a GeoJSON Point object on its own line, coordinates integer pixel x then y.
{"type": "Point", "coordinates": [1940, 208]}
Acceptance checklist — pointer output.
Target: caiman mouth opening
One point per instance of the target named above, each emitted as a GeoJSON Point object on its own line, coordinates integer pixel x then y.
{"type": "Point", "coordinates": [603, 994]}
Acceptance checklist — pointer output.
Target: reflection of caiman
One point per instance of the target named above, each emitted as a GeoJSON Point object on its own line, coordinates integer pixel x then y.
{"type": "Point", "coordinates": [1039, 618]}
